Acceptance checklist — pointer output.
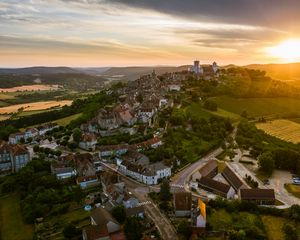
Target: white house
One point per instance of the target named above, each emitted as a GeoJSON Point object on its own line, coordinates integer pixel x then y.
{"type": "Point", "coordinates": [16, 137]}
{"type": "Point", "coordinates": [149, 174]}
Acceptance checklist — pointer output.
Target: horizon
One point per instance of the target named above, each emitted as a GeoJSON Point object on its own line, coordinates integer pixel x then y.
{"type": "Point", "coordinates": [93, 33]}
{"type": "Point", "coordinates": [132, 66]}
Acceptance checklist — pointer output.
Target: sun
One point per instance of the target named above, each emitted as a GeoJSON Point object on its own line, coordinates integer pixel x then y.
{"type": "Point", "coordinates": [288, 50]}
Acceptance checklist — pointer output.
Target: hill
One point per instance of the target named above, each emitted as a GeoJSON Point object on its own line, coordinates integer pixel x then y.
{"type": "Point", "coordinates": [132, 73]}
{"type": "Point", "coordinates": [38, 70]}
{"type": "Point", "coordinates": [288, 71]}
{"type": "Point", "coordinates": [73, 81]}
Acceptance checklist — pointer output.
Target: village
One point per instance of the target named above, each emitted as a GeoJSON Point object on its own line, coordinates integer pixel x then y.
{"type": "Point", "coordinates": [122, 173]}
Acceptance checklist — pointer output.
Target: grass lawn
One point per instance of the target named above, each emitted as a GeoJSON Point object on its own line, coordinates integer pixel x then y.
{"type": "Point", "coordinates": [283, 129]}
{"type": "Point", "coordinates": [273, 226]}
{"type": "Point", "coordinates": [65, 121]}
{"type": "Point", "coordinates": [197, 109]}
{"type": "Point", "coordinates": [257, 107]}
{"type": "Point", "coordinates": [293, 189]}
{"type": "Point", "coordinates": [11, 225]}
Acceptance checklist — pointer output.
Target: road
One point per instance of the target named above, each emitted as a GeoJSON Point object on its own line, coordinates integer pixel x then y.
{"type": "Point", "coordinates": [140, 191]}
{"type": "Point", "coordinates": [182, 177]}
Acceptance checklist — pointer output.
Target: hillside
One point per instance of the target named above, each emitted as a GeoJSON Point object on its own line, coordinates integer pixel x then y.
{"type": "Point", "coordinates": [38, 70]}
{"type": "Point", "coordinates": [132, 73]}
{"type": "Point", "coordinates": [74, 81]}
{"type": "Point", "coordinates": [289, 71]}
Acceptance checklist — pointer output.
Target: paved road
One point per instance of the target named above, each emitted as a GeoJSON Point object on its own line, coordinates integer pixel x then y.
{"type": "Point", "coordinates": [140, 191]}
{"type": "Point", "coordinates": [182, 177]}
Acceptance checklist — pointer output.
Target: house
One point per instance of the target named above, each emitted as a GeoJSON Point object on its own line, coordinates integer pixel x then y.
{"type": "Point", "coordinates": [83, 163]}
{"type": "Point", "coordinates": [232, 178]}
{"type": "Point", "coordinates": [13, 157]}
{"type": "Point", "coordinates": [102, 218]}
{"type": "Point", "coordinates": [108, 119]}
{"type": "Point", "coordinates": [135, 212]}
{"type": "Point", "coordinates": [62, 171]}
{"type": "Point", "coordinates": [88, 141]}
{"type": "Point", "coordinates": [113, 150]}
{"type": "Point", "coordinates": [210, 170]}
{"type": "Point", "coordinates": [126, 115]}
{"type": "Point", "coordinates": [89, 181]}
{"type": "Point", "coordinates": [145, 113]}
{"type": "Point", "coordinates": [257, 195]}
{"type": "Point", "coordinates": [216, 187]}
{"type": "Point", "coordinates": [104, 227]}
{"type": "Point", "coordinates": [43, 129]}
{"type": "Point", "coordinates": [130, 202]}
{"type": "Point", "coordinates": [31, 133]}
{"type": "Point", "coordinates": [90, 127]}
{"type": "Point", "coordinates": [151, 143]}
{"type": "Point", "coordinates": [199, 215]}
{"type": "Point", "coordinates": [15, 138]}
{"type": "Point", "coordinates": [148, 174]}
{"type": "Point", "coordinates": [182, 202]}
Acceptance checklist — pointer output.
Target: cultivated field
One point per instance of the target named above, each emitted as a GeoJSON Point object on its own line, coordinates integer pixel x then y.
{"type": "Point", "coordinates": [258, 107]}
{"type": "Point", "coordinates": [283, 129]}
{"type": "Point", "coordinates": [36, 87]}
{"type": "Point", "coordinates": [34, 106]}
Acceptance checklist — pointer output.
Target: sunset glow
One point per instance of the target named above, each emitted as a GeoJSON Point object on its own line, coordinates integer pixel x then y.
{"type": "Point", "coordinates": [288, 50]}
{"type": "Point", "coordinates": [146, 32]}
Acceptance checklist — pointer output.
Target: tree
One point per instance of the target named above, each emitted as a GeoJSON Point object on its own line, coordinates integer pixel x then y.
{"type": "Point", "coordinates": [140, 98]}
{"type": "Point", "coordinates": [133, 228]}
{"type": "Point", "coordinates": [266, 163]}
{"type": "Point", "coordinates": [165, 193]}
{"type": "Point", "coordinates": [70, 231]}
{"type": "Point", "coordinates": [119, 213]}
{"type": "Point", "coordinates": [244, 114]}
{"type": "Point", "coordinates": [36, 148]}
{"type": "Point", "coordinates": [290, 232]}
{"type": "Point", "coordinates": [184, 229]}
{"type": "Point", "coordinates": [210, 105]}
{"type": "Point", "coordinates": [77, 135]}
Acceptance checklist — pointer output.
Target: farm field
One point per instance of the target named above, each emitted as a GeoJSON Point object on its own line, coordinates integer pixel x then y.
{"type": "Point", "coordinates": [283, 129]}
{"type": "Point", "coordinates": [257, 107]}
{"type": "Point", "coordinates": [36, 87]}
{"type": "Point", "coordinates": [12, 226]}
{"type": "Point", "coordinates": [34, 106]}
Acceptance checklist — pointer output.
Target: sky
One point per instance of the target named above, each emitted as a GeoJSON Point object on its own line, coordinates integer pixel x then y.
{"type": "Point", "coordinates": [98, 33]}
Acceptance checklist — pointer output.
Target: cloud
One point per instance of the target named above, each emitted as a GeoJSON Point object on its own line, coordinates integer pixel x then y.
{"type": "Point", "coordinates": [250, 12]}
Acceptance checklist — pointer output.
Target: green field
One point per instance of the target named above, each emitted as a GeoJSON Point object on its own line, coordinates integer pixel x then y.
{"type": "Point", "coordinates": [11, 225]}
{"type": "Point", "coordinates": [293, 189]}
{"type": "Point", "coordinates": [65, 121]}
{"type": "Point", "coordinates": [257, 107]}
{"type": "Point", "coordinates": [196, 109]}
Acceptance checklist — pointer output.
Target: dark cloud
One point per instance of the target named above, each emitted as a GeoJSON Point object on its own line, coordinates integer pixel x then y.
{"type": "Point", "coordinates": [271, 13]}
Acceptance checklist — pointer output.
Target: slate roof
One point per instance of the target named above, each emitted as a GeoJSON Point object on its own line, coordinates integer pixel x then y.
{"type": "Point", "coordinates": [257, 194]}
{"type": "Point", "coordinates": [232, 178]}
{"type": "Point", "coordinates": [182, 201]}
{"type": "Point", "coordinates": [214, 185]}
{"type": "Point", "coordinates": [208, 168]}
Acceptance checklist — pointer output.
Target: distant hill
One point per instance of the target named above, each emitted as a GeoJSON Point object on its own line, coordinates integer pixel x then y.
{"type": "Point", "coordinates": [132, 73]}
{"type": "Point", "coordinates": [93, 70]}
{"type": "Point", "coordinates": [289, 71]}
{"type": "Point", "coordinates": [38, 70]}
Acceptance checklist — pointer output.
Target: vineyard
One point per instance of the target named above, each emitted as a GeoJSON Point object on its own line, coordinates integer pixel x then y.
{"type": "Point", "coordinates": [283, 129]}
